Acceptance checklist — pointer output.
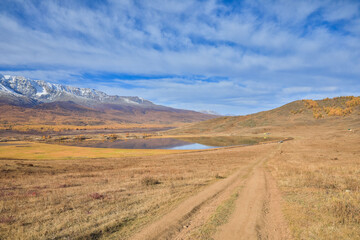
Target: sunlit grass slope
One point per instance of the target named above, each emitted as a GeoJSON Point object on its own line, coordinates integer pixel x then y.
{"type": "Point", "coordinates": [33, 151]}
{"type": "Point", "coordinates": [298, 112]}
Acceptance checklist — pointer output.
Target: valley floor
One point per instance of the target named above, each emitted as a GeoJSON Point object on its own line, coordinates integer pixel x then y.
{"type": "Point", "coordinates": [306, 188]}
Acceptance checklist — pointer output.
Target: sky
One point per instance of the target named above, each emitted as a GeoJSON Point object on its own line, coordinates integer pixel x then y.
{"type": "Point", "coordinates": [231, 57]}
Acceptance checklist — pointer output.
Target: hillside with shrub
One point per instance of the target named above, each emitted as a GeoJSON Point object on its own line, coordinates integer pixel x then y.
{"type": "Point", "coordinates": [301, 112]}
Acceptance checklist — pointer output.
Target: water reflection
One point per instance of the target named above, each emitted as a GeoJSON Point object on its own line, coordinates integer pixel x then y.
{"type": "Point", "coordinates": [191, 146]}
{"type": "Point", "coordinates": [151, 143]}
{"type": "Point", "coordinates": [172, 143]}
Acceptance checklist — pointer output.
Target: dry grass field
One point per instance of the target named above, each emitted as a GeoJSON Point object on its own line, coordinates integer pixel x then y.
{"type": "Point", "coordinates": [318, 174]}
{"type": "Point", "coordinates": [42, 151]}
{"type": "Point", "coordinates": [101, 197]}
{"type": "Point", "coordinates": [307, 187]}
{"type": "Point", "coordinates": [62, 192]}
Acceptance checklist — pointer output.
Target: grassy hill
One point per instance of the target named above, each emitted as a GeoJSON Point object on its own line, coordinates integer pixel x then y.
{"type": "Point", "coordinates": [297, 112]}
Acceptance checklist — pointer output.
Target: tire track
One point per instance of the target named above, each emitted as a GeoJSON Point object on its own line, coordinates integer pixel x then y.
{"type": "Point", "coordinates": [257, 214]}
{"type": "Point", "coordinates": [172, 223]}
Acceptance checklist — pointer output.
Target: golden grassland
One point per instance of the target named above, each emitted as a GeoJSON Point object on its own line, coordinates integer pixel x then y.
{"type": "Point", "coordinates": [34, 151]}
{"type": "Point", "coordinates": [92, 198]}
{"type": "Point", "coordinates": [59, 192]}
{"type": "Point", "coordinates": [318, 174]}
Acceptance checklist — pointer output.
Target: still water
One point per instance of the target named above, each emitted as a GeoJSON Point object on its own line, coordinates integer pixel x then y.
{"type": "Point", "coordinates": [173, 143]}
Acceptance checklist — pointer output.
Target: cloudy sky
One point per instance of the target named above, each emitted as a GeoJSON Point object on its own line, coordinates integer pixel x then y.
{"type": "Point", "coordinates": [232, 57]}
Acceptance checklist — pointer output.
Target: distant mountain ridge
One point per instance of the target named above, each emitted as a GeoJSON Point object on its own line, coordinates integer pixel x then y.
{"type": "Point", "coordinates": [210, 112]}
{"type": "Point", "coordinates": [21, 97]}
{"type": "Point", "coordinates": [44, 92]}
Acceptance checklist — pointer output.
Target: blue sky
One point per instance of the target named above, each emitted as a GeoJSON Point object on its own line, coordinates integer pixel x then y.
{"type": "Point", "coordinates": [232, 57]}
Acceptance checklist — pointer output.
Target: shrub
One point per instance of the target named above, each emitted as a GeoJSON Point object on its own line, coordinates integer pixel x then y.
{"type": "Point", "coordinates": [113, 137]}
{"type": "Point", "coordinates": [337, 111]}
{"type": "Point", "coordinates": [317, 115]}
{"type": "Point", "coordinates": [80, 138]}
{"type": "Point", "coordinates": [97, 196]}
{"type": "Point", "coordinates": [297, 111]}
{"type": "Point", "coordinates": [310, 103]}
{"type": "Point", "coordinates": [149, 181]}
{"type": "Point", "coordinates": [355, 101]}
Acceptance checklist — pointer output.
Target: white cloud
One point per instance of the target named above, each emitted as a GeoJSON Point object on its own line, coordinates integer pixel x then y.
{"type": "Point", "coordinates": [341, 10]}
{"type": "Point", "coordinates": [261, 48]}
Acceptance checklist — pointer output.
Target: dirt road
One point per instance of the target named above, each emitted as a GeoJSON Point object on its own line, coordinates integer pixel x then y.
{"type": "Point", "coordinates": [257, 213]}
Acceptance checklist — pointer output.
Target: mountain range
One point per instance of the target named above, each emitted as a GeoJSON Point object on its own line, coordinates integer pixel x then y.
{"type": "Point", "coordinates": [23, 98]}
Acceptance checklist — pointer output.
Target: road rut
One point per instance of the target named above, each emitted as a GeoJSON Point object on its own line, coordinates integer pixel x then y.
{"type": "Point", "coordinates": [257, 214]}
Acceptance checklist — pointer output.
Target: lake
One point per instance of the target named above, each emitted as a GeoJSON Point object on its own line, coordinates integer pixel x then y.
{"type": "Point", "coordinates": [189, 143]}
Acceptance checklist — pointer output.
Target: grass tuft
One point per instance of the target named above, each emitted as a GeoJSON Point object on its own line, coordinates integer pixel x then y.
{"type": "Point", "coordinates": [7, 220]}
{"type": "Point", "coordinates": [346, 208]}
{"type": "Point", "coordinates": [217, 176]}
{"type": "Point", "coordinates": [97, 196]}
{"type": "Point", "coordinates": [148, 181]}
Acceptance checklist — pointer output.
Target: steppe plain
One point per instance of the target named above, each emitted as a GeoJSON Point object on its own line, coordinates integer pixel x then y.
{"type": "Point", "coordinates": [304, 186]}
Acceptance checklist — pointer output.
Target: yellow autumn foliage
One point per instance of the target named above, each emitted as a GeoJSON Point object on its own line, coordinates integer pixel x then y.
{"type": "Point", "coordinates": [311, 103]}
{"type": "Point", "coordinates": [355, 101]}
{"type": "Point", "coordinates": [337, 111]}
{"type": "Point", "coordinates": [317, 113]}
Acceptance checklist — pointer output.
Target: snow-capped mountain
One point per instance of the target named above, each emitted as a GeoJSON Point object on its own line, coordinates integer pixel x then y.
{"type": "Point", "coordinates": [23, 100]}
{"type": "Point", "coordinates": [38, 91]}
{"type": "Point", "coordinates": [210, 112]}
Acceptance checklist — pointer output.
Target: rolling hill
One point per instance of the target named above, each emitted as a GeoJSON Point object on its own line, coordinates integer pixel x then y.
{"type": "Point", "coordinates": [301, 112]}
